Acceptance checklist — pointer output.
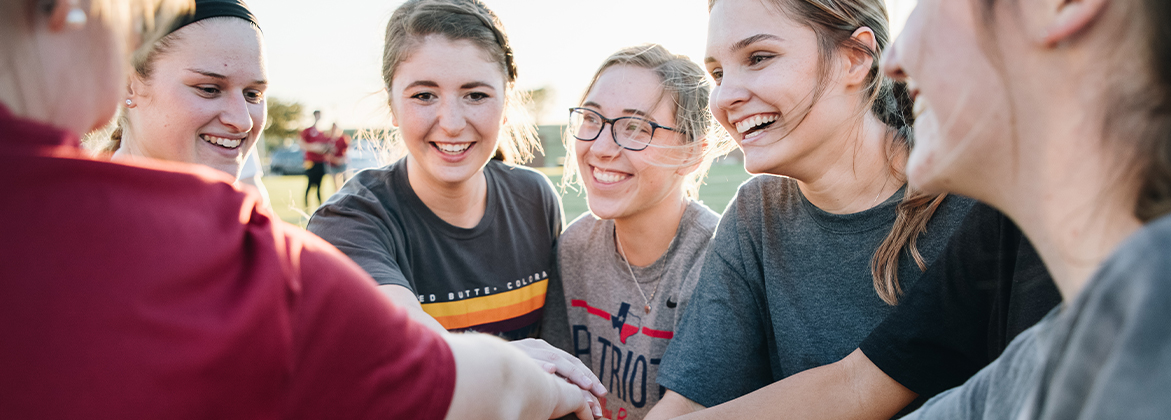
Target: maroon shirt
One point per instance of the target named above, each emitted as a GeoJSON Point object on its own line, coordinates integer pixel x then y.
{"type": "Point", "coordinates": [156, 290]}
{"type": "Point", "coordinates": [312, 135]}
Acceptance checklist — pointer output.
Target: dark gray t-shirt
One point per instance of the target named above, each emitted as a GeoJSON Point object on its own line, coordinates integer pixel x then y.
{"type": "Point", "coordinates": [491, 278]}
{"type": "Point", "coordinates": [611, 331]}
{"type": "Point", "coordinates": [786, 287]}
{"type": "Point", "coordinates": [1105, 356]}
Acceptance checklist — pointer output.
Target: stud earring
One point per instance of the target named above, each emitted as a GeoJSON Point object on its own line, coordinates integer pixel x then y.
{"type": "Point", "coordinates": [129, 103]}
{"type": "Point", "coordinates": [76, 17]}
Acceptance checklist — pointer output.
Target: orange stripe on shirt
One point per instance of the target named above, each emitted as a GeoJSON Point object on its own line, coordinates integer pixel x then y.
{"type": "Point", "coordinates": [488, 309]}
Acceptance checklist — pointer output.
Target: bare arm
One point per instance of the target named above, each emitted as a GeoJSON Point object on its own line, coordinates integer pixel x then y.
{"type": "Point", "coordinates": [853, 388]}
{"type": "Point", "coordinates": [672, 405]}
{"type": "Point", "coordinates": [496, 381]}
{"type": "Point", "coordinates": [550, 358]}
{"type": "Point", "coordinates": [404, 298]}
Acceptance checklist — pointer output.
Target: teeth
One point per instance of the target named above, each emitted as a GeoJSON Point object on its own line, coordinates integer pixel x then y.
{"type": "Point", "coordinates": [754, 122]}
{"type": "Point", "coordinates": [453, 148]}
{"type": "Point", "coordinates": [607, 177]}
{"type": "Point", "coordinates": [228, 143]}
{"type": "Point", "coordinates": [920, 106]}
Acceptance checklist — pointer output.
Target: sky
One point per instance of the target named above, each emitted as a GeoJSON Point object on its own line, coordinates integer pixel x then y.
{"type": "Point", "coordinates": [327, 55]}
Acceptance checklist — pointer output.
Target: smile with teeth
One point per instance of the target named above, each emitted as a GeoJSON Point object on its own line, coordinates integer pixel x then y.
{"type": "Point", "coordinates": [222, 142]}
{"type": "Point", "coordinates": [452, 148]}
{"type": "Point", "coordinates": [755, 122]}
{"type": "Point", "coordinates": [608, 177]}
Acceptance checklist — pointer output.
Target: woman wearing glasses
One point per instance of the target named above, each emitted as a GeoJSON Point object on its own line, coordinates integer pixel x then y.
{"type": "Point", "coordinates": [463, 241]}
{"type": "Point", "coordinates": [630, 264]}
{"type": "Point", "coordinates": [803, 266]}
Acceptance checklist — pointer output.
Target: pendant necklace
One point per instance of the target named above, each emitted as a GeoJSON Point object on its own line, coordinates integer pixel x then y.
{"type": "Point", "coordinates": [646, 302]}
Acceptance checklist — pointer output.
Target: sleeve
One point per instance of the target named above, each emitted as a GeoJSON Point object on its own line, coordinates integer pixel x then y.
{"type": "Point", "coordinates": [360, 227]}
{"type": "Point", "coordinates": [356, 355]}
{"type": "Point", "coordinates": [1115, 361]}
{"type": "Point", "coordinates": [721, 348]}
{"type": "Point", "coordinates": [937, 337]}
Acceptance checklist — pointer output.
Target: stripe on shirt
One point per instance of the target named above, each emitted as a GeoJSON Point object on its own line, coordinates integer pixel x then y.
{"type": "Point", "coordinates": [487, 309]}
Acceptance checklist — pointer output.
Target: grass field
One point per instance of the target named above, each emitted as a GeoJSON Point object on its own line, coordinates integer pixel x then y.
{"type": "Point", "coordinates": [287, 192]}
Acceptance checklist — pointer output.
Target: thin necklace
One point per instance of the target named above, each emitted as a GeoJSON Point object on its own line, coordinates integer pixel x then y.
{"type": "Point", "coordinates": [646, 302]}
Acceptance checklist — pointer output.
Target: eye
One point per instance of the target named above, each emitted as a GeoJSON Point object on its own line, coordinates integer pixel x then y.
{"type": "Point", "coordinates": [254, 96]}
{"type": "Point", "coordinates": [424, 96]}
{"type": "Point", "coordinates": [757, 58]}
{"type": "Point", "coordinates": [717, 74]}
{"type": "Point", "coordinates": [207, 91]}
{"type": "Point", "coordinates": [478, 96]}
{"type": "Point", "coordinates": [590, 118]}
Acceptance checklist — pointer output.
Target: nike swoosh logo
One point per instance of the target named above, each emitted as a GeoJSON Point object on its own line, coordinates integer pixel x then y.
{"type": "Point", "coordinates": [671, 304]}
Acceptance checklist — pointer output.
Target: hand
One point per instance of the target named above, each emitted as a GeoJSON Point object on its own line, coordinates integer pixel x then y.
{"type": "Point", "coordinates": [573, 400]}
{"type": "Point", "coordinates": [554, 360]}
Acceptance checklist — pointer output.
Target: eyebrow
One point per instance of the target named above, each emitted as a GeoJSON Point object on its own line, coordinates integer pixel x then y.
{"type": "Point", "coordinates": [627, 111]}
{"type": "Point", "coordinates": [218, 76]}
{"type": "Point", "coordinates": [432, 84]}
{"type": "Point", "coordinates": [744, 43]}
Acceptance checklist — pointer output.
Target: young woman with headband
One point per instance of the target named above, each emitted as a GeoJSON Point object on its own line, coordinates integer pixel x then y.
{"type": "Point", "coordinates": [639, 145]}
{"type": "Point", "coordinates": [197, 94]}
{"type": "Point", "coordinates": [804, 266]}
{"type": "Point", "coordinates": [152, 289]}
{"type": "Point", "coordinates": [462, 240]}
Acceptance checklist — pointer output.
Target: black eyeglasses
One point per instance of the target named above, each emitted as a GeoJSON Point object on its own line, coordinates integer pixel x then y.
{"type": "Point", "coordinates": [632, 133]}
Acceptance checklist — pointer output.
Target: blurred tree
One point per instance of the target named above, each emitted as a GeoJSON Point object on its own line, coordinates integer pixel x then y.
{"type": "Point", "coordinates": [284, 123]}
{"type": "Point", "coordinates": [539, 100]}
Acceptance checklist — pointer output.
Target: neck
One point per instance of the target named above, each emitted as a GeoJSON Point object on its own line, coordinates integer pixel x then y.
{"type": "Point", "coordinates": [645, 237]}
{"type": "Point", "coordinates": [461, 204]}
{"type": "Point", "coordinates": [1068, 196]}
{"type": "Point", "coordinates": [857, 180]}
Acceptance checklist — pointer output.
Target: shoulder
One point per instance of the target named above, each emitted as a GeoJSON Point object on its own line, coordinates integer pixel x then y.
{"type": "Point", "coordinates": [520, 177]}
{"type": "Point", "coordinates": [582, 230]}
{"type": "Point", "coordinates": [1139, 270]}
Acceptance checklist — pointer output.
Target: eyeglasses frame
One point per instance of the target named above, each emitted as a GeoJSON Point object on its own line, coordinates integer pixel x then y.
{"type": "Point", "coordinates": [614, 133]}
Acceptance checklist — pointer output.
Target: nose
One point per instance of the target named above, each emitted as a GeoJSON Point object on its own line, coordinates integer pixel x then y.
{"type": "Point", "coordinates": [729, 94]}
{"type": "Point", "coordinates": [236, 115]}
{"type": "Point", "coordinates": [605, 146]}
{"type": "Point", "coordinates": [451, 117]}
{"type": "Point", "coordinates": [892, 64]}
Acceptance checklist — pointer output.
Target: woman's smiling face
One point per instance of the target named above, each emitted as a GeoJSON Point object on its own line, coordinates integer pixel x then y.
{"type": "Point", "coordinates": [204, 101]}
{"type": "Point", "coordinates": [621, 182]}
{"type": "Point", "coordinates": [962, 127]}
{"type": "Point", "coordinates": [447, 100]}
{"type": "Point", "coordinates": [767, 69]}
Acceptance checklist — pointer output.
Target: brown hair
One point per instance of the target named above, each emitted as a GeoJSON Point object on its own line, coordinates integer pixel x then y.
{"type": "Point", "coordinates": [467, 20]}
{"type": "Point", "coordinates": [687, 85]}
{"type": "Point", "coordinates": [834, 23]}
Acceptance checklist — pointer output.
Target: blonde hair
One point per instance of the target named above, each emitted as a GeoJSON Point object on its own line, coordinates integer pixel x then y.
{"type": "Point", "coordinates": [685, 82]}
{"type": "Point", "coordinates": [834, 23]}
{"type": "Point", "coordinates": [150, 19]}
{"type": "Point", "coordinates": [457, 20]}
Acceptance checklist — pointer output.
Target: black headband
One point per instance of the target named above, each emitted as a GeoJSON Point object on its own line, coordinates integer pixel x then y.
{"type": "Point", "coordinates": [205, 9]}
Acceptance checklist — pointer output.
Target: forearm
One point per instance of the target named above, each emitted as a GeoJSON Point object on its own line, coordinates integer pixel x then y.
{"type": "Point", "coordinates": [853, 388]}
{"type": "Point", "coordinates": [496, 381]}
{"type": "Point", "coordinates": [404, 298]}
{"type": "Point", "coordinates": [672, 405]}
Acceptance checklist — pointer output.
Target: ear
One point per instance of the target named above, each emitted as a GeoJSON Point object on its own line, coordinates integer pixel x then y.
{"type": "Point", "coordinates": [859, 63]}
{"type": "Point", "coordinates": [1070, 18]}
{"type": "Point", "coordinates": [135, 88]}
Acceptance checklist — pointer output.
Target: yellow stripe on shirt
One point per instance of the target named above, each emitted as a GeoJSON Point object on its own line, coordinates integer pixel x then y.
{"type": "Point", "coordinates": [488, 309]}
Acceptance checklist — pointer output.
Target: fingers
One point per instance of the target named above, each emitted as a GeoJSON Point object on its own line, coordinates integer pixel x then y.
{"type": "Point", "coordinates": [563, 364]}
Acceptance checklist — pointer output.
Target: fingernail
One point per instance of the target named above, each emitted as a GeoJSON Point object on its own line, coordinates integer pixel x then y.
{"type": "Point", "coordinates": [599, 389]}
{"type": "Point", "coordinates": [549, 367]}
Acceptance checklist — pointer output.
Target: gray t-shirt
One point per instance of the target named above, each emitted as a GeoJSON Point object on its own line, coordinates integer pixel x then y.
{"type": "Point", "coordinates": [491, 278]}
{"type": "Point", "coordinates": [1105, 356]}
{"type": "Point", "coordinates": [787, 287]}
{"type": "Point", "coordinates": [611, 332]}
